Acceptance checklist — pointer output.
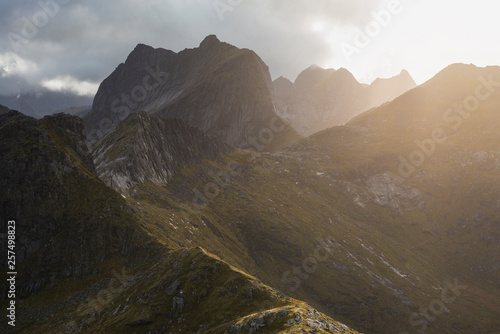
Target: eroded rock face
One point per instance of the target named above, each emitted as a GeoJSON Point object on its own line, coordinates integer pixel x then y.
{"type": "Point", "coordinates": [152, 148]}
{"type": "Point", "coordinates": [390, 191]}
{"type": "Point", "coordinates": [71, 131]}
{"type": "Point", "coordinates": [222, 90]}
{"type": "Point", "coordinates": [322, 98]}
{"type": "Point", "coordinates": [63, 212]}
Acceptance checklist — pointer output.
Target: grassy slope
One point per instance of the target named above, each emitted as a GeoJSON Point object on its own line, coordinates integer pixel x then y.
{"type": "Point", "coordinates": [386, 262]}
{"type": "Point", "coordinates": [100, 273]}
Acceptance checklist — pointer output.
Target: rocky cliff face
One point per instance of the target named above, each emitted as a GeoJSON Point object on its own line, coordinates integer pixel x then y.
{"type": "Point", "coordinates": [222, 90]}
{"type": "Point", "coordinates": [330, 220]}
{"type": "Point", "coordinates": [152, 148]}
{"type": "Point", "coordinates": [50, 189]}
{"type": "Point", "coordinates": [85, 263]}
{"type": "Point", "coordinates": [321, 98]}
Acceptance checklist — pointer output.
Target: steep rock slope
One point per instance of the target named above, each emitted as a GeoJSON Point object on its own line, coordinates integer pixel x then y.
{"type": "Point", "coordinates": [86, 265]}
{"type": "Point", "coordinates": [222, 90]}
{"type": "Point", "coordinates": [332, 221]}
{"type": "Point", "coordinates": [321, 98]}
{"type": "Point", "coordinates": [152, 148]}
{"type": "Point", "coordinates": [50, 189]}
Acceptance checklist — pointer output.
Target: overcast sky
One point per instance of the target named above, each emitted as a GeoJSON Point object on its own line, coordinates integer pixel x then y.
{"type": "Point", "coordinates": [77, 43]}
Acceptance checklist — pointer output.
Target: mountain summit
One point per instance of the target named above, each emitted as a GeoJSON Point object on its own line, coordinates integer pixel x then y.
{"type": "Point", "coordinates": [321, 98]}
{"type": "Point", "coordinates": [224, 91]}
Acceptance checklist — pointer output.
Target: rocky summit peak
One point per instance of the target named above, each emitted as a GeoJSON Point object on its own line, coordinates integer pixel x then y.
{"type": "Point", "coordinates": [141, 49]}
{"type": "Point", "coordinates": [210, 41]}
{"type": "Point", "coordinates": [322, 98]}
{"type": "Point", "coordinates": [404, 73]}
{"type": "Point", "coordinates": [314, 67]}
{"type": "Point", "coordinates": [239, 103]}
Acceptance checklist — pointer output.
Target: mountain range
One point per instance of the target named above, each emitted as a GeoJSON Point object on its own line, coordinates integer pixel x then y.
{"type": "Point", "coordinates": [322, 98]}
{"type": "Point", "coordinates": [198, 196]}
{"type": "Point", "coordinates": [39, 102]}
{"type": "Point", "coordinates": [224, 91]}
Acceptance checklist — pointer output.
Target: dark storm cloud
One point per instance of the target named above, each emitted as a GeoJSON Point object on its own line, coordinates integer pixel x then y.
{"type": "Point", "coordinates": [87, 39]}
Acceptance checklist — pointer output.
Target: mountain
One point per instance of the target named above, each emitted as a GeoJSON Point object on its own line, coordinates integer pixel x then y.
{"type": "Point", "coordinates": [321, 98]}
{"type": "Point", "coordinates": [85, 263]}
{"type": "Point", "coordinates": [224, 91]}
{"type": "Point", "coordinates": [282, 86]}
{"type": "Point", "coordinates": [79, 111]}
{"type": "Point", "coordinates": [380, 223]}
{"type": "Point", "coordinates": [50, 188]}
{"type": "Point", "coordinates": [152, 148]}
{"type": "Point", "coordinates": [43, 102]}
{"type": "Point", "coordinates": [185, 218]}
{"type": "Point", "coordinates": [385, 90]}
{"type": "Point", "coordinates": [4, 109]}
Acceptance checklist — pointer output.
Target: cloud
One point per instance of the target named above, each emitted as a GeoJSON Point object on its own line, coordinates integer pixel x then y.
{"type": "Point", "coordinates": [13, 64]}
{"type": "Point", "coordinates": [68, 83]}
{"type": "Point", "coordinates": [86, 39]}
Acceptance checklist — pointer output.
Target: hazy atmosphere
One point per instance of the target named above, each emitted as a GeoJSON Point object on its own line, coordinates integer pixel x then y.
{"type": "Point", "coordinates": [75, 44]}
{"type": "Point", "coordinates": [260, 167]}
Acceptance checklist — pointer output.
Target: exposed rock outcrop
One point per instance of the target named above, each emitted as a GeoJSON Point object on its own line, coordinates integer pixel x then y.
{"type": "Point", "coordinates": [50, 189]}
{"type": "Point", "coordinates": [152, 148]}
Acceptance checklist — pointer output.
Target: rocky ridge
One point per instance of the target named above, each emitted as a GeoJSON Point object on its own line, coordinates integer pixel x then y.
{"type": "Point", "coordinates": [152, 148]}
{"type": "Point", "coordinates": [224, 91]}
{"type": "Point", "coordinates": [322, 98]}
{"type": "Point", "coordinates": [86, 264]}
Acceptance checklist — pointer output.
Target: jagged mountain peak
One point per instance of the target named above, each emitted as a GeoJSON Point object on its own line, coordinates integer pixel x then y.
{"type": "Point", "coordinates": [316, 75]}
{"type": "Point", "coordinates": [314, 67]}
{"type": "Point", "coordinates": [282, 86]}
{"type": "Point", "coordinates": [218, 88]}
{"type": "Point", "coordinates": [283, 79]}
{"type": "Point", "coordinates": [455, 73]}
{"type": "Point", "coordinates": [322, 98]}
{"type": "Point", "coordinates": [440, 103]}
{"type": "Point", "coordinates": [210, 41]}
{"type": "Point", "coordinates": [142, 47]}
{"type": "Point", "coordinates": [387, 89]}
{"type": "Point", "coordinates": [404, 73]}
{"type": "Point", "coordinates": [403, 77]}
{"type": "Point", "coordinates": [312, 76]}
{"type": "Point", "coordinates": [344, 74]}
{"type": "Point", "coordinates": [145, 55]}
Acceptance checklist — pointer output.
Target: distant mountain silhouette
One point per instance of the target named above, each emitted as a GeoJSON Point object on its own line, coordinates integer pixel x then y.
{"type": "Point", "coordinates": [321, 98]}
{"type": "Point", "coordinates": [44, 102]}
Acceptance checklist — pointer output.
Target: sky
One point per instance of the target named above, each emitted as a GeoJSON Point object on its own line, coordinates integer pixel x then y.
{"type": "Point", "coordinates": [75, 44]}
